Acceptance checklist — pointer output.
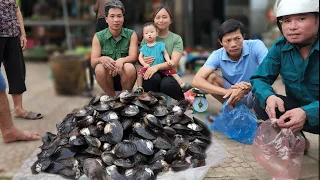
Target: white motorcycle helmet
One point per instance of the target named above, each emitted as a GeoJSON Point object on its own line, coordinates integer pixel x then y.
{"type": "Point", "coordinates": [288, 7]}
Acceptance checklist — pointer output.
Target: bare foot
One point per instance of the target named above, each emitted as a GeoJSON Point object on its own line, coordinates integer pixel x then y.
{"type": "Point", "coordinates": [17, 135]}
{"type": "Point", "coordinates": [20, 113]}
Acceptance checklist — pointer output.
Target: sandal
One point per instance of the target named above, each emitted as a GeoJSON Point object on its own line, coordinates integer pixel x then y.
{"type": "Point", "coordinates": [31, 116]}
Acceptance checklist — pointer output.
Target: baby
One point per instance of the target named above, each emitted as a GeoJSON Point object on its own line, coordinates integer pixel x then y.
{"type": "Point", "coordinates": [158, 51]}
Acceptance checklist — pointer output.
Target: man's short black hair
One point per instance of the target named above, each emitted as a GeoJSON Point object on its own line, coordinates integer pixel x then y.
{"type": "Point", "coordinates": [114, 4]}
{"type": "Point", "coordinates": [230, 26]}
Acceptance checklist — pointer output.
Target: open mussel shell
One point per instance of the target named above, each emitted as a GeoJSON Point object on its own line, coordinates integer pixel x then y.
{"type": "Point", "coordinates": [195, 127]}
{"type": "Point", "coordinates": [180, 165]}
{"type": "Point", "coordinates": [102, 107]}
{"type": "Point", "coordinates": [160, 155]}
{"type": "Point", "coordinates": [108, 158]}
{"type": "Point", "coordinates": [159, 111]}
{"type": "Point", "coordinates": [95, 100]}
{"type": "Point", "coordinates": [126, 96]}
{"type": "Point", "coordinates": [143, 131]}
{"type": "Point", "coordinates": [139, 158]}
{"type": "Point", "coordinates": [197, 162]}
{"type": "Point", "coordinates": [48, 137]}
{"type": "Point", "coordinates": [108, 116]}
{"type": "Point", "coordinates": [185, 119]}
{"type": "Point", "coordinates": [85, 121]}
{"type": "Point", "coordinates": [181, 129]}
{"type": "Point", "coordinates": [169, 131]}
{"type": "Point", "coordinates": [117, 106]}
{"type": "Point", "coordinates": [125, 149]}
{"type": "Point", "coordinates": [130, 174]}
{"type": "Point", "coordinates": [195, 150]}
{"type": "Point", "coordinates": [147, 98]}
{"type": "Point", "coordinates": [144, 146]}
{"type": "Point", "coordinates": [140, 104]}
{"type": "Point", "coordinates": [93, 150]}
{"type": "Point", "coordinates": [201, 143]}
{"type": "Point", "coordinates": [163, 142]}
{"type": "Point", "coordinates": [145, 173]}
{"type": "Point", "coordinates": [63, 153]}
{"type": "Point", "coordinates": [80, 113]}
{"type": "Point", "coordinates": [181, 141]}
{"type": "Point", "coordinates": [206, 131]}
{"type": "Point", "coordinates": [172, 119]}
{"type": "Point", "coordinates": [96, 131]}
{"type": "Point", "coordinates": [124, 163]}
{"type": "Point", "coordinates": [130, 111]}
{"type": "Point", "coordinates": [152, 121]}
{"type": "Point", "coordinates": [113, 132]}
{"type": "Point", "coordinates": [126, 123]}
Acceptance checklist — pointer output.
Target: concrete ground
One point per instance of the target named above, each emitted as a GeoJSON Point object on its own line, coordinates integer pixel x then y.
{"type": "Point", "coordinates": [41, 97]}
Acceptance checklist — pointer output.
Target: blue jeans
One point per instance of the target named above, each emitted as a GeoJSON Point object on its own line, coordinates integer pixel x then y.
{"type": "Point", "coordinates": [2, 83]}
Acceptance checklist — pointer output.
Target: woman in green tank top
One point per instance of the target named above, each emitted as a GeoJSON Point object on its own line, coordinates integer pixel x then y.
{"type": "Point", "coordinates": [153, 80]}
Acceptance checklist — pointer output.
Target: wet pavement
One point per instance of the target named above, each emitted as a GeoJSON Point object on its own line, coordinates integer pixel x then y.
{"type": "Point", "coordinates": [41, 97]}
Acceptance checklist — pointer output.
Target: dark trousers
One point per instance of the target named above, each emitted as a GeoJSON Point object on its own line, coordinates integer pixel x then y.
{"type": "Point", "coordinates": [165, 84]}
{"type": "Point", "coordinates": [12, 58]}
{"type": "Point", "coordinates": [289, 104]}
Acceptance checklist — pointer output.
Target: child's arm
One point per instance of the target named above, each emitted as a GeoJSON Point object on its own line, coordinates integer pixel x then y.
{"type": "Point", "coordinates": [141, 60]}
{"type": "Point", "coordinates": [167, 58]}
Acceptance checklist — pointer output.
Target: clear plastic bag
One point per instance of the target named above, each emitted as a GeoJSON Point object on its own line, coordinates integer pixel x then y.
{"type": "Point", "coordinates": [237, 123]}
{"type": "Point", "coordinates": [279, 151]}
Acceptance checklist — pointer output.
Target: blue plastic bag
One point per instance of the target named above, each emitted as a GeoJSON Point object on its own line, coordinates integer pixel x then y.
{"type": "Point", "coordinates": [238, 123]}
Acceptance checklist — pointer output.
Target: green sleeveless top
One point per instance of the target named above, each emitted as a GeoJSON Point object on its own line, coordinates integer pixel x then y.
{"type": "Point", "coordinates": [112, 48]}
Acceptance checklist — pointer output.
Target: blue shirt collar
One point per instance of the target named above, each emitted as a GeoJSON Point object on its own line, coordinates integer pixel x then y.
{"type": "Point", "coordinates": [245, 52]}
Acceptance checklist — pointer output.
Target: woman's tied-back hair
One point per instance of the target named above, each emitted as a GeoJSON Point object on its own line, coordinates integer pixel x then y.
{"type": "Point", "coordinates": [114, 4]}
{"type": "Point", "coordinates": [163, 7]}
{"type": "Point", "coordinates": [230, 26]}
{"type": "Point", "coordinates": [149, 24]}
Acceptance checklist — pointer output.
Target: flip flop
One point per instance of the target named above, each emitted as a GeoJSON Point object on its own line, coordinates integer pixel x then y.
{"type": "Point", "coordinates": [31, 116]}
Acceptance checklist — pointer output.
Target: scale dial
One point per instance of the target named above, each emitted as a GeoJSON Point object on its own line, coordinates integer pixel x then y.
{"type": "Point", "coordinates": [200, 104]}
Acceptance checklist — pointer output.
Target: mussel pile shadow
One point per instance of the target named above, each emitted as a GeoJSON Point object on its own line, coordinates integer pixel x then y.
{"type": "Point", "coordinates": [127, 137]}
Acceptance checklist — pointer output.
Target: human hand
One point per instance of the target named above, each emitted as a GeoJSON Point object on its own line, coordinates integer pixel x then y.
{"type": "Point", "coordinates": [119, 65]}
{"type": "Point", "coordinates": [234, 95]}
{"type": "Point", "coordinates": [150, 72]}
{"type": "Point", "coordinates": [272, 103]}
{"type": "Point", "coordinates": [170, 63]}
{"type": "Point", "coordinates": [149, 60]}
{"type": "Point", "coordinates": [108, 63]}
{"type": "Point", "coordinates": [297, 118]}
{"type": "Point", "coordinates": [241, 85]}
{"type": "Point", "coordinates": [23, 42]}
{"type": "Point", "coordinates": [146, 66]}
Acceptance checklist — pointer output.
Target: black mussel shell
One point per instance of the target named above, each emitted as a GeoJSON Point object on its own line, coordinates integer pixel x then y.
{"type": "Point", "coordinates": [159, 166]}
{"type": "Point", "coordinates": [145, 173]}
{"type": "Point", "coordinates": [185, 119]}
{"type": "Point", "coordinates": [146, 97]}
{"type": "Point", "coordinates": [92, 141]}
{"type": "Point", "coordinates": [126, 96]}
{"type": "Point", "coordinates": [93, 168]}
{"type": "Point", "coordinates": [95, 100]}
{"type": "Point", "coordinates": [143, 131]}
{"type": "Point", "coordinates": [85, 121]}
{"type": "Point", "coordinates": [180, 165]}
{"type": "Point", "coordinates": [96, 131]}
{"type": "Point", "coordinates": [138, 158]}
{"type": "Point", "coordinates": [113, 132]}
{"type": "Point", "coordinates": [206, 131]}
{"type": "Point", "coordinates": [102, 107]}
{"type": "Point", "coordinates": [93, 151]}
{"type": "Point", "coordinates": [106, 146]}
{"type": "Point", "coordinates": [40, 165]}
{"type": "Point", "coordinates": [124, 163]}
{"type": "Point", "coordinates": [125, 149]}
{"type": "Point", "coordinates": [181, 129]}
{"type": "Point", "coordinates": [172, 119]}
{"type": "Point", "coordinates": [181, 107]}
{"type": "Point", "coordinates": [197, 162]}
{"type": "Point", "coordinates": [48, 137]}
{"type": "Point", "coordinates": [117, 106]}
{"type": "Point", "coordinates": [110, 115]}
{"type": "Point", "coordinates": [195, 149]}
{"type": "Point", "coordinates": [195, 127]}
{"type": "Point", "coordinates": [130, 111]}
{"type": "Point", "coordinates": [181, 142]}
{"type": "Point", "coordinates": [163, 142]}
{"type": "Point", "coordinates": [169, 131]}
{"type": "Point", "coordinates": [138, 103]}
{"type": "Point", "coordinates": [130, 174]}
{"type": "Point", "coordinates": [144, 146]}
{"type": "Point", "coordinates": [108, 158]}
{"type": "Point", "coordinates": [113, 174]}
{"type": "Point", "coordinates": [171, 155]}
{"type": "Point", "coordinates": [160, 155]}
{"type": "Point", "coordinates": [69, 163]}
{"type": "Point", "coordinates": [152, 121]}
{"type": "Point", "coordinates": [126, 123]}
{"type": "Point", "coordinates": [105, 99]}
{"type": "Point", "coordinates": [80, 113]}
{"type": "Point", "coordinates": [77, 141]}
{"type": "Point", "coordinates": [200, 136]}
{"type": "Point", "coordinates": [160, 111]}
{"type": "Point", "coordinates": [201, 143]}
{"type": "Point", "coordinates": [63, 153]}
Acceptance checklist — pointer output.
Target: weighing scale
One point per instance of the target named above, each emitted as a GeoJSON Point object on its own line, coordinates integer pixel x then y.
{"type": "Point", "coordinates": [200, 103]}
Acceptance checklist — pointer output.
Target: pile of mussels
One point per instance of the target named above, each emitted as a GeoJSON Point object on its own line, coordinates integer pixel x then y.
{"type": "Point", "coordinates": [127, 137]}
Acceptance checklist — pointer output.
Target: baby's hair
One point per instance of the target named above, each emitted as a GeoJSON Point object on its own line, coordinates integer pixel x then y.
{"type": "Point", "coordinates": [149, 24]}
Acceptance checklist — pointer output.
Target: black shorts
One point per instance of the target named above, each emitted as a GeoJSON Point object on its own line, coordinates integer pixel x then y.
{"type": "Point", "coordinates": [12, 58]}
{"type": "Point", "coordinates": [117, 83]}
